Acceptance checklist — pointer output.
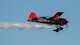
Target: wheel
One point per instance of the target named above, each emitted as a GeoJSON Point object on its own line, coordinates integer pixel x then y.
{"type": "Point", "coordinates": [57, 30]}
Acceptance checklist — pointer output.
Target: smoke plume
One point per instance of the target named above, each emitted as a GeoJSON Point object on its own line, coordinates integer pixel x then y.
{"type": "Point", "coordinates": [6, 25]}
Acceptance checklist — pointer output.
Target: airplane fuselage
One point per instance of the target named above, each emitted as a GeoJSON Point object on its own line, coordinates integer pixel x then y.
{"type": "Point", "coordinates": [54, 20]}
{"type": "Point", "coordinates": [51, 22]}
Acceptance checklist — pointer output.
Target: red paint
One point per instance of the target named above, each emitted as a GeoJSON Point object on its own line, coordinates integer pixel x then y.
{"type": "Point", "coordinates": [64, 22]}
{"type": "Point", "coordinates": [32, 15]}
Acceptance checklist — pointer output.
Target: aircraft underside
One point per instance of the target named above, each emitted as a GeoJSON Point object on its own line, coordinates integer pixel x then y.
{"type": "Point", "coordinates": [57, 23]}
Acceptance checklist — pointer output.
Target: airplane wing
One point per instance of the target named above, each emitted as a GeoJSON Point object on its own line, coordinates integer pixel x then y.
{"type": "Point", "coordinates": [58, 14]}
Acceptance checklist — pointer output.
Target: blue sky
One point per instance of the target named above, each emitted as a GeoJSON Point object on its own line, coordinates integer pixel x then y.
{"type": "Point", "coordinates": [18, 11]}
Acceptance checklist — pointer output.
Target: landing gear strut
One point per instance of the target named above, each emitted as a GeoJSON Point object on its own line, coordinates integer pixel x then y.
{"type": "Point", "coordinates": [58, 29]}
{"type": "Point", "coordinates": [61, 28]}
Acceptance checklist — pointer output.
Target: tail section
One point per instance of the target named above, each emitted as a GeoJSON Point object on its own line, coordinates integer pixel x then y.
{"type": "Point", "coordinates": [32, 15]}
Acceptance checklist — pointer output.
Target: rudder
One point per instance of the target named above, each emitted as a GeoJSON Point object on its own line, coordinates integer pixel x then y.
{"type": "Point", "coordinates": [32, 15]}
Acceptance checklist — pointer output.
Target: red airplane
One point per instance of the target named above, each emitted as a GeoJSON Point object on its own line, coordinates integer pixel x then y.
{"type": "Point", "coordinates": [54, 20]}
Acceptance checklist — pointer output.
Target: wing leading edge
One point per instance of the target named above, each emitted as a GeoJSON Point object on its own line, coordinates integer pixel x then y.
{"type": "Point", "coordinates": [58, 14]}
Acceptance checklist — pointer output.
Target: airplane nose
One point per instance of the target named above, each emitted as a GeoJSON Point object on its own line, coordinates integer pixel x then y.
{"type": "Point", "coordinates": [64, 22]}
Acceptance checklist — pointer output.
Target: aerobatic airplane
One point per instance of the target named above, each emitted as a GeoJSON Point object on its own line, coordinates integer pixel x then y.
{"type": "Point", "coordinates": [54, 20]}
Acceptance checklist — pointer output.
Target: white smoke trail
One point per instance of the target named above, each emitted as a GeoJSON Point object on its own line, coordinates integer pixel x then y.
{"type": "Point", "coordinates": [4, 25]}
